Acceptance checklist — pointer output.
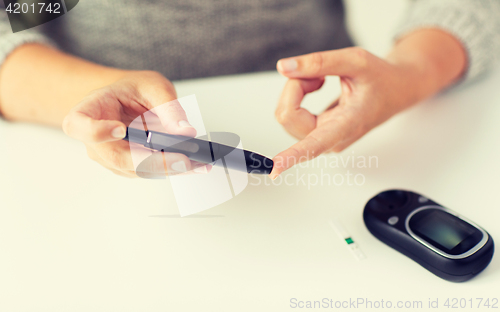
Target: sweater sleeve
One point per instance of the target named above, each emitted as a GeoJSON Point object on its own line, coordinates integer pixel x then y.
{"type": "Point", "coordinates": [476, 24]}
{"type": "Point", "coordinates": [9, 41]}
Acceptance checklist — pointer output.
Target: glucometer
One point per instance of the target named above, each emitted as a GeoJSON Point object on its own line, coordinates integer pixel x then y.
{"type": "Point", "coordinates": [439, 239]}
{"type": "Point", "coordinates": [201, 150]}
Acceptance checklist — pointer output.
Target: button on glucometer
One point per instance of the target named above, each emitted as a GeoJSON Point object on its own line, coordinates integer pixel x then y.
{"type": "Point", "coordinates": [393, 220]}
{"type": "Point", "coordinates": [422, 199]}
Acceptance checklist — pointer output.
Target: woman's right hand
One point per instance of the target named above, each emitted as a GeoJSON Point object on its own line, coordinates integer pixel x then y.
{"type": "Point", "coordinates": [101, 118]}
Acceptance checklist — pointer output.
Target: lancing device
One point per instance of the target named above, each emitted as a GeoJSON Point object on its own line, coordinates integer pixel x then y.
{"type": "Point", "coordinates": [201, 150]}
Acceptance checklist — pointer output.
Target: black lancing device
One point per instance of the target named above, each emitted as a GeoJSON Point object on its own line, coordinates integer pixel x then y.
{"type": "Point", "coordinates": [201, 150]}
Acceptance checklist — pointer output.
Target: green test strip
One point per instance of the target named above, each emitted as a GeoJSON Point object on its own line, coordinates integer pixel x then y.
{"type": "Point", "coordinates": [351, 245]}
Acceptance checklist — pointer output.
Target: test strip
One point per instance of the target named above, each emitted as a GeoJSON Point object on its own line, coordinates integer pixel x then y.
{"type": "Point", "coordinates": [350, 243]}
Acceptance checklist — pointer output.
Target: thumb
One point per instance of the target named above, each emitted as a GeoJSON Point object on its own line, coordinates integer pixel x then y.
{"type": "Point", "coordinates": [174, 119]}
{"type": "Point", "coordinates": [162, 99]}
{"type": "Point", "coordinates": [82, 127]}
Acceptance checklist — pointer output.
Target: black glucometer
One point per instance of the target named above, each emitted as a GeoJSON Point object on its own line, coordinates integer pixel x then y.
{"type": "Point", "coordinates": [439, 239]}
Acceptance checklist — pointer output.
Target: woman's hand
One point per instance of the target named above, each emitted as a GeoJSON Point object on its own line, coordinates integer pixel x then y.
{"type": "Point", "coordinates": [373, 90]}
{"type": "Point", "coordinates": [101, 118]}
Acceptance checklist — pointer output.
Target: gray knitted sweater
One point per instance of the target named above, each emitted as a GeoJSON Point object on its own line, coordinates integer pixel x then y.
{"type": "Point", "coordinates": [193, 38]}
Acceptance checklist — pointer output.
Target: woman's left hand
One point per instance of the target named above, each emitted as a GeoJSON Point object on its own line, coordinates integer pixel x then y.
{"type": "Point", "coordinates": [372, 90]}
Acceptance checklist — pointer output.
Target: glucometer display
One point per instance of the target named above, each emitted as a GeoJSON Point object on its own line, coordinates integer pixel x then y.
{"type": "Point", "coordinates": [444, 231]}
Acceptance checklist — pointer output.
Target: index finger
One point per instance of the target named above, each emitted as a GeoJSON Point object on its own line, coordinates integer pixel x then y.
{"type": "Point", "coordinates": [314, 144]}
{"type": "Point", "coordinates": [80, 126]}
{"type": "Point", "coordinates": [308, 148]}
{"type": "Point", "coordinates": [343, 62]}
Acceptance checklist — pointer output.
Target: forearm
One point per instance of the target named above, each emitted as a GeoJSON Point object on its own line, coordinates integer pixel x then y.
{"type": "Point", "coordinates": [40, 84]}
{"type": "Point", "coordinates": [435, 58]}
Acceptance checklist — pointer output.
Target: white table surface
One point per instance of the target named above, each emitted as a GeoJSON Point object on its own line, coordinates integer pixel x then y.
{"type": "Point", "coordinates": [75, 237]}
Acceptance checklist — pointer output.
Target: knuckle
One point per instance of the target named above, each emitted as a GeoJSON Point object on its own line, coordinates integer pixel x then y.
{"type": "Point", "coordinates": [166, 85]}
{"type": "Point", "coordinates": [316, 62]}
{"type": "Point", "coordinates": [158, 80]}
{"type": "Point", "coordinates": [153, 82]}
{"type": "Point", "coordinates": [361, 57]}
{"type": "Point", "coordinates": [282, 116]}
{"type": "Point", "coordinates": [94, 134]}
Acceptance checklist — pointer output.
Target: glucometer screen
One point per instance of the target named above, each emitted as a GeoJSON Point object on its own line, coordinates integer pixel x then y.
{"type": "Point", "coordinates": [445, 231]}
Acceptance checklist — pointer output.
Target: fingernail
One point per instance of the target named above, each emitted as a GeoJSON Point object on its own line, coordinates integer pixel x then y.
{"type": "Point", "coordinates": [202, 169]}
{"type": "Point", "coordinates": [274, 176]}
{"type": "Point", "coordinates": [288, 65]}
{"type": "Point", "coordinates": [118, 133]}
{"type": "Point", "coordinates": [184, 124]}
{"type": "Point", "coordinates": [179, 166]}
